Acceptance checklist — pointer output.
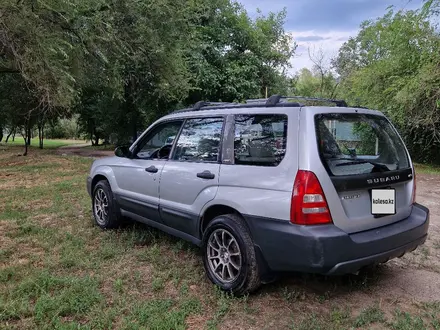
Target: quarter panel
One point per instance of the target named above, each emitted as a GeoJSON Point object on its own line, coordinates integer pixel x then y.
{"type": "Point", "coordinates": [254, 201]}
{"type": "Point", "coordinates": [264, 191]}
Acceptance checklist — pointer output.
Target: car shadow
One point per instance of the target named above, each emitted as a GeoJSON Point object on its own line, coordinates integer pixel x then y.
{"type": "Point", "coordinates": [325, 287]}
{"type": "Point", "coordinates": [368, 279]}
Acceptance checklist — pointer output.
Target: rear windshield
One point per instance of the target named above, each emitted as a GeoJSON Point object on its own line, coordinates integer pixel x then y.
{"type": "Point", "coordinates": [351, 144]}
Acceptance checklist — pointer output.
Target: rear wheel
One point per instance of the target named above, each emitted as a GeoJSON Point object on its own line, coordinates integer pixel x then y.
{"type": "Point", "coordinates": [104, 209]}
{"type": "Point", "coordinates": [229, 255]}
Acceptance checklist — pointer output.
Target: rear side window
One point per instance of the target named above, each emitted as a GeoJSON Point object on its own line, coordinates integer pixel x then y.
{"type": "Point", "coordinates": [260, 139]}
{"type": "Point", "coordinates": [199, 140]}
{"type": "Point", "coordinates": [351, 144]}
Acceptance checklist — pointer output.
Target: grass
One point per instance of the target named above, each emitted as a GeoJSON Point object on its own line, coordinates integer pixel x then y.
{"type": "Point", "coordinates": [427, 169]}
{"type": "Point", "coordinates": [48, 144]}
{"type": "Point", "coordinates": [58, 270]}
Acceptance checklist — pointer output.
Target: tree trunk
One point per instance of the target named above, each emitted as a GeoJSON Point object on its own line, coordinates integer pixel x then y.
{"type": "Point", "coordinates": [13, 136]}
{"type": "Point", "coordinates": [28, 136]}
{"type": "Point", "coordinates": [25, 149]}
{"type": "Point", "coordinates": [1, 133]}
{"type": "Point", "coordinates": [96, 140]}
{"type": "Point", "coordinates": [7, 137]}
{"type": "Point", "coordinates": [42, 137]}
{"type": "Point", "coordinates": [40, 133]}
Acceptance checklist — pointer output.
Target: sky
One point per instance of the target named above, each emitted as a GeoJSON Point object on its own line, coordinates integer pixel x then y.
{"type": "Point", "coordinates": [324, 24]}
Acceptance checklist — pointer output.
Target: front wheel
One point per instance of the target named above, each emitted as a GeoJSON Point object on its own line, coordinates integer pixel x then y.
{"type": "Point", "coordinates": [229, 255]}
{"type": "Point", "coordinates": [104, 208]}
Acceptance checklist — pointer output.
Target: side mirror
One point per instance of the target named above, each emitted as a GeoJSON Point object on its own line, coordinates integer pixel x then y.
{"type": "Point", "coordinates": [123, 151]}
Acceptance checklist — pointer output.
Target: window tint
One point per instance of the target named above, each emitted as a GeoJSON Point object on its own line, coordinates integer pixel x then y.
{"type": "Point", "coordinates": [353, 144]}
{"type": "Point", "coordinates": [199, 140]}
{"type": "Point", "coordinates": [260, 139]}
{"type": "Point", "coordinates": [161, 137]}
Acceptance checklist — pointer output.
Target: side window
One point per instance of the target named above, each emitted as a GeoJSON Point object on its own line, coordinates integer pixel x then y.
{"type": "Point", "coordinates": [260, 139]}
{"type": "Point", "coordinates": [199, 140]}
{"type": "Point", "coordinates": [158, 142]}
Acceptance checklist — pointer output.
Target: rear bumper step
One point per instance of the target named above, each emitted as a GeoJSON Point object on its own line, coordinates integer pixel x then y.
{"type": "Point", "coordinates": [326, 249]}
{"type": "Point", "coordinates": [353, 266]}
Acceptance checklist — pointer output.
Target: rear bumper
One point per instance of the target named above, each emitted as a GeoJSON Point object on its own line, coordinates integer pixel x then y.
{"type": "Point", "coordinates": [328, 250]}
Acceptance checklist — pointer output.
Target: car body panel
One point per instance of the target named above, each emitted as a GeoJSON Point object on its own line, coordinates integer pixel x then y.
{"type": "Point", "coordinates": [183, 194]}
{"type": "Point", "coordinates": [135, 189]}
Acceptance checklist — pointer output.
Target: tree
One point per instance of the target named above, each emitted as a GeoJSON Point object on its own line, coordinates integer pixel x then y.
{"type": "Point", "coordinates": [19, 107]}
{"type": "Point", "coordinates": [316, 83]}
{"type": "Point", "coordinates": [393, 65]}
{"type": "Point", "coordinates": [44, 41]}
{"type": "Point", "coordinates": [121, 64]}
{"type": "Point", "coordinates": [234, 57]}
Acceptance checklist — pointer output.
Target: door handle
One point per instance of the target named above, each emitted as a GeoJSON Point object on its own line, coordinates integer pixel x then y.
{"type": "Point", "coordinates": [152, 169]}
{"type": "Point", "coordinates": [206, 175]}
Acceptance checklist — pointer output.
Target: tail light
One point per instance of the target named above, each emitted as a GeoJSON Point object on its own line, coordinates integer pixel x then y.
{"type": "Point", "coordinates": [309, 206]}
{"type": "Point", "coordinates": [414, 187]}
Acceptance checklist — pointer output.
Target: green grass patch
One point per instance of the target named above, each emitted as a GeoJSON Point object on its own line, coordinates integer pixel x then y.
{"type": "Point", "coordinates": [406, 321]}
{"type": "Point", "coordinates": [427, 169]}
{"type": "Point", "coordinates": [46, 297]}
{"type": "Point", "coordinates": [162, 314]}
{"type": "Point", "coordinates": [370, 315]}
{"type": "Point", "coordinates": [47, 144]}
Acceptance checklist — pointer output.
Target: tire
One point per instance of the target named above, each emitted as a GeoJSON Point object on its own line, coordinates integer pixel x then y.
{"type": "Point", "coordinates": [237, 258]}
{"type": "Point", "coordinates": [106, 214]}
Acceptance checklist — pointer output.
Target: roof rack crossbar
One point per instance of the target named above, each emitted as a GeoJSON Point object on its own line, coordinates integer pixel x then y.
{"type": "Point", "coordinates": [275, 99]}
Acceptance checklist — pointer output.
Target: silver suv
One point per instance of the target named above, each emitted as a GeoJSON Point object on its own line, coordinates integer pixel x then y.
{"type": "Point", "coordinates": [268, 186]}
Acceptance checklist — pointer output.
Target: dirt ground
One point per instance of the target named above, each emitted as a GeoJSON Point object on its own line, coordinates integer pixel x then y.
{"type": "Point", "coordinates": [79, 150]}
{"type": "Point", "coordinates": [418, 275]}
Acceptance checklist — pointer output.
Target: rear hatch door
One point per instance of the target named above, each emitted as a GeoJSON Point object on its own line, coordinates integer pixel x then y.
{"type": "Point", "coordinates": [364, 169]}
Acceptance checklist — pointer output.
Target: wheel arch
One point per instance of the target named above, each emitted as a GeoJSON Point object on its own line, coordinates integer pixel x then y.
{"type": "Point", "coordinates": [215, 210]}
{"type": "Point", "coordinates": [96, 179]}
{"type": "Point", "coordinates": [104, 172]}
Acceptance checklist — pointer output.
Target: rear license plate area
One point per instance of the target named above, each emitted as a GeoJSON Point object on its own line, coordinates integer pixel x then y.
{"type": "Point", "coordinates": [383, 202]}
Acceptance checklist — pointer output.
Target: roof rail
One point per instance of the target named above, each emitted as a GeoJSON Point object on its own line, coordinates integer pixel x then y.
{"type": "Point", "coordinates": [276, 99]}
{"type": "Point", "coordinates": [202, 104]}
{"type": "Point", "coordinates": [250, 101]}
{"type": "Point", "coordinates": [273, 101]}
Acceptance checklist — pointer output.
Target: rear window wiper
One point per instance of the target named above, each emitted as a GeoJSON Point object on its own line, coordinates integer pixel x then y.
{"type": "Point", "coordinates": [356, 162]}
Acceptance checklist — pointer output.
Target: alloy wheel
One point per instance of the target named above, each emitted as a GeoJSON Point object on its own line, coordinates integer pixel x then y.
{"type": "Point", "coordinates": [224, 256]}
